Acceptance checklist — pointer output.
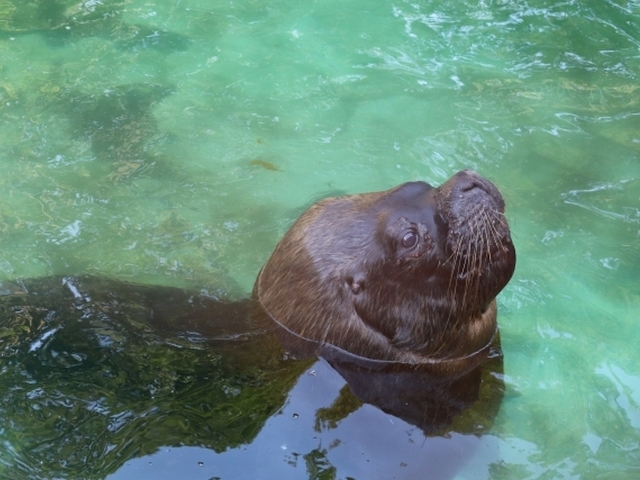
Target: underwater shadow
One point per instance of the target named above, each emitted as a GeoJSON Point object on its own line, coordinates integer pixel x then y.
{"type": "Point", "coordinates": [97, 372]}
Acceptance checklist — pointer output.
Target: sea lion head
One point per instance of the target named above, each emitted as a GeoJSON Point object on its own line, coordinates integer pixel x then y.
{"type": "Point", "coordinates": [405, 275]}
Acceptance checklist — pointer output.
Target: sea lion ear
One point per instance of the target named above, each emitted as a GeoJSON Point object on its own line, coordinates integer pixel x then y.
{"type": "Point", "coordinates": [355, 282]}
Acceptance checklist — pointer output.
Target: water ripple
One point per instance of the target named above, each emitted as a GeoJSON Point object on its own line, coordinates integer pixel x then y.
{"type": "Point", "coordinates": [597, 199]}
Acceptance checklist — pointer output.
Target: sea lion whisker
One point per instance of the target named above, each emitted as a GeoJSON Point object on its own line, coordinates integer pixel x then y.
{"type": "Point", "coordinates": [486, 243]}
{"type": "Point", "coordinates": [492, 227]}
{"type": "Point", "coordinates": [453, 258]}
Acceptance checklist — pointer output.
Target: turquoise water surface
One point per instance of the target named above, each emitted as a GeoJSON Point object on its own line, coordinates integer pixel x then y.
{"type": "Point", "coordinates": [172, 142]}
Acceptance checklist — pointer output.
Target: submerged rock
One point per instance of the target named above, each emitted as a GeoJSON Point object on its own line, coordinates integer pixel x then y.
{"type": "Point", "coordinates": [62, 21]}
{"type": "Point", "coordinates": [118, 123]}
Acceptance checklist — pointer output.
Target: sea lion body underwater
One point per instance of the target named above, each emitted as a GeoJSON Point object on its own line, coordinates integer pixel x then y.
{"type": "Point", "coordinates": [406, 275]}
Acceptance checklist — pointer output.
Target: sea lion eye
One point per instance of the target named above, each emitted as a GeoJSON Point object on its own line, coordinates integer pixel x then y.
{"type": "Point", "coordinates": [410, 240]}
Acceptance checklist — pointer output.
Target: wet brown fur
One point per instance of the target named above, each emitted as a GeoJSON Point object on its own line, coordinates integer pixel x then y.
{"type": "Point", "coordinates": [341, 275]}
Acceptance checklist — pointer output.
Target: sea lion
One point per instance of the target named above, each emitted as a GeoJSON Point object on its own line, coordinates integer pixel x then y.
{"type": "Point", "coordinates": [395, 290]}
{"type": "Point", "coordinates": [405, 275]}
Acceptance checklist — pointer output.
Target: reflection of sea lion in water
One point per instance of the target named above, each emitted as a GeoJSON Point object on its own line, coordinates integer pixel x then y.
{"type": "Point", "coordinates": [406, 275]}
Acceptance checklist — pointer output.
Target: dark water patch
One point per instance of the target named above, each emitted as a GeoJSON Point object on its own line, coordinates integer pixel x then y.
{"type": "Point", "coordinates": [17, 17]}
{"type": "Point", "coordinates": [98, 372]}
{"type": "Point", "coordinates": [119, 124]}
{"type": "Point", "coordinates": [58, 21]}
{"type": "Point", "coordinates": [62, 22]}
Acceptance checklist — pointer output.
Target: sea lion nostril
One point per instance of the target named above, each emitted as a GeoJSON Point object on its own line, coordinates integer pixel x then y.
{"type": "Point", "coordinates": [471, 182]}
{"type": "Point", "coordinates": [467, 189]}
{"type": "Point", "coordinates": [470, 185]}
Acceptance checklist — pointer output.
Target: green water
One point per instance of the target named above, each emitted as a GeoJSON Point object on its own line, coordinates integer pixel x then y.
{"type": "Point", "coordinates": [173, 142]}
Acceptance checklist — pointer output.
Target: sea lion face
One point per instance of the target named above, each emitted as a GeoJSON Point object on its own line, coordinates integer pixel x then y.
{"type": "Point", "coordinates": [409, 274]}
